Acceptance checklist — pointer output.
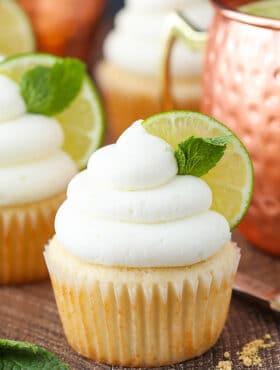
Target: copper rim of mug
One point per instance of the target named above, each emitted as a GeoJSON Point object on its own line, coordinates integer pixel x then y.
{"type": "Point", "coordinates": [229, 9]}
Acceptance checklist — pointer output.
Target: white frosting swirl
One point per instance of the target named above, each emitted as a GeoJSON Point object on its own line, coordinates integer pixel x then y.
{"type": "Point", "coordinates": [129, 208]}
{"type": "Point", "coordinates": [32, 165]}
{"type": "Point", "coordinates": [12, 103]}
{"type": "Point", "coordinates": [135, 42]}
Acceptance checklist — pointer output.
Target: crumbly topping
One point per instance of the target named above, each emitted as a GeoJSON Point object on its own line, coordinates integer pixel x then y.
{"type": "Point", "coordinates": [250, 351]}
{"type": "Point", "coordinates": [224, 365]}
{"type": "Point", "coordinates": [249, 355]}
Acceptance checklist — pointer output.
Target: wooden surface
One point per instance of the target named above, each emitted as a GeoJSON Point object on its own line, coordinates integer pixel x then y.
{"type": "Point", "coordinates": [29, 313]}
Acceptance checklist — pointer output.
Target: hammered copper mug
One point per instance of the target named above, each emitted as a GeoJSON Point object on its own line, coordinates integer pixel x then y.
{"type": "Point", "coordinates": [241, 87]}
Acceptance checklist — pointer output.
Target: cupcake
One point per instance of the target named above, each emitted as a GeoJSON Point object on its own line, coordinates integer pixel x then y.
{"type": "Point", "coordinates": [35, 169]}
{"type": "Point", "coordinates": [129, 73]}
{"type": "Point", "coordinates": [141, 267]}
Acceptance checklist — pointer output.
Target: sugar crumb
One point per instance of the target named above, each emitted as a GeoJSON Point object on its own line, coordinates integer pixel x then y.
{"type": "Point", "coordinates": [250, 351]}
{"type": "Point", "coordinates": [224, 365]}
{"type": "Point", "coordinates": [226, 354]}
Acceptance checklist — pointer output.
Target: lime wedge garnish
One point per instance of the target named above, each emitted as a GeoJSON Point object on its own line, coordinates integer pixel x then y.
{"type": "Point", "coordinates": [266, 8]}
{"type": "Point", "coordinates": [16, 34]}
{"type": "Point", "coordinates": [231, 180]}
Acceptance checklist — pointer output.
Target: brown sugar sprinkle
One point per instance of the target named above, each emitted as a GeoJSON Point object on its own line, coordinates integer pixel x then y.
{"type": "Point", "coordinates": [250, 352]}
{"type": "Point", "coordinates": [224, 365]}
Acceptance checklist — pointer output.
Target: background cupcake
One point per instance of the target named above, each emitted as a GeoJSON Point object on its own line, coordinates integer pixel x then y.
{"type": "Point", "coordinates": [38, 155]}
{"type": "Point", "coordinates": [142, 268]}
{"type": "Point", "coordinates": [129, 75]}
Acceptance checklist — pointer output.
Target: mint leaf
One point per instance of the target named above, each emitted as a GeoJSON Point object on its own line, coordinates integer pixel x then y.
{"type": "Point", "coordinates": [35, 88]}
{"type": "Point", "coordinates": [49, 90]}
{"type": "Point", "coordinates": [219, 140]}
{"type": "Point", "coordinates": [27, 356]}
{"type": "Point", "coordinates": [66, 78]}
{"type": "Point", "coordinates": [197, 155]}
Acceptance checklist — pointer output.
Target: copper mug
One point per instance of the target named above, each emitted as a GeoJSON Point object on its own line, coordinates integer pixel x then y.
{"type": "Point", "coordinates": [241, 87]}
{"type": "Point", "coordinates": [64, 27]}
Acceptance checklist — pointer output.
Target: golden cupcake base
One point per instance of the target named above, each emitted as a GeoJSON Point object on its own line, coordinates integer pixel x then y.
{"type": "Point", "coordinates": [142, 316]}
{"type": "Point", "coordinates": [24, 232]}
{"type": "Point", "coordinates": [129, 96]}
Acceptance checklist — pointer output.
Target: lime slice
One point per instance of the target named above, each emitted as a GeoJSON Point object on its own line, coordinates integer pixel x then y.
{"type": "Point", "coordinates": [82, 121]}
{"type": "Point", "coordinates": [267, 8]}
{"type": "Point", "coordinates": [16, 35]}
{"type": "Point", "coordinates": [231, 181]}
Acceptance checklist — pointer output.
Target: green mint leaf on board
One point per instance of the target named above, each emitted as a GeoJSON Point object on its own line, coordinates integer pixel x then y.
{"type": "Point", "coordinates": [28, 356]}
{"type": "Point", "coordinates": [197, 155]}
{"type": "Point", "coordinates": [49, 90]}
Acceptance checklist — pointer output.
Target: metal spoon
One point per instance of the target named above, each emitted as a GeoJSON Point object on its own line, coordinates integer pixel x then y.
{"type": "Point", "coordinates": [258, 290]}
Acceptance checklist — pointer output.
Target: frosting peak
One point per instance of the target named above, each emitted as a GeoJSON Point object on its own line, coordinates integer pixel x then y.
{"type": "Point", "coordinates": [129, 208]}
{"type": "Point", "coordinates": [11, 102]}
{"type": "Point", "coordinates": [137, 161]}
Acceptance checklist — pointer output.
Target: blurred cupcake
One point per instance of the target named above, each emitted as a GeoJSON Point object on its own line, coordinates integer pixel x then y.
{"type": "Point", "coordinates": [35, 167]}
{"type": "Point", "coordinates": [142, 269]}
{"type": "Point", "coordinates": [128, 74]}
{"type": "Point", "coordinates": [34, 172]}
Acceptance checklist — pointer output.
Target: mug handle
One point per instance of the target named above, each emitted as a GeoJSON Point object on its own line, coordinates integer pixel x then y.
{"type": "Point", "coordinates": [178, 27]}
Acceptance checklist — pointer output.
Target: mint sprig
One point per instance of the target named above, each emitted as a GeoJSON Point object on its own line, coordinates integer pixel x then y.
{"type": "Point", "coordinates": [197, 155]}
{"type": "Point", "coordinates": [27, 356]}
{"type": "Point", "coordinates": [49, 90]}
